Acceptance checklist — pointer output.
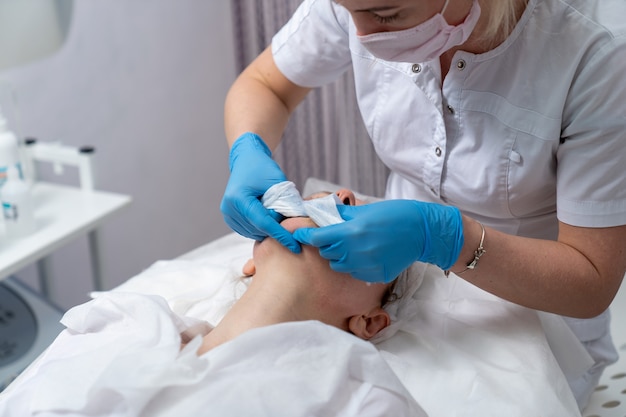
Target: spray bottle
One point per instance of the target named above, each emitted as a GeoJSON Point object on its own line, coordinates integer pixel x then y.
{"type": "Point", "coordinates": [9, 152]}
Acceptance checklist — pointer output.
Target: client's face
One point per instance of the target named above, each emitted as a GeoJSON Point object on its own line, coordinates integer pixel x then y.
{"type": "Point", "coordinates": [346, 196]}
{"type": "Point", "coordinates": [339, 294]}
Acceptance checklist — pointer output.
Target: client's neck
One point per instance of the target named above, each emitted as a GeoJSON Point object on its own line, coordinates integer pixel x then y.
{"type": "Point", "coordinates": [270, 299]}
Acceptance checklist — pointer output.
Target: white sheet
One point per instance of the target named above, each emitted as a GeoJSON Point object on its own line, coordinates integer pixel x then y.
{"type": "Point", "coordinates": [492, 356]}
{"type": "Point", "coordinates": [467, 353]}
{"type": "Point", "coordinates": [120, 357]}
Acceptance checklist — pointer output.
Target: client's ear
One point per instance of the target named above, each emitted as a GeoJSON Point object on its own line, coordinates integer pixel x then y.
{"type": "Point", "coordinates": [249, 268]}
{"type": "Point", "coordinates": [368, 325]}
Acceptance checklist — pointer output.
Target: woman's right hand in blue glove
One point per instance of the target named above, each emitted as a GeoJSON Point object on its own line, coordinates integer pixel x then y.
{"type": "Point", "coordinates": [252, 173]}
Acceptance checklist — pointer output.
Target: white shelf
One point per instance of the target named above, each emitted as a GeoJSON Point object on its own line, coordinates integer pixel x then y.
{"type": "Point", "coordinates": [62, 213]}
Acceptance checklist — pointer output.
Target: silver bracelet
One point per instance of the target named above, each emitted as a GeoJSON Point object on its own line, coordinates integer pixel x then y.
{"type": "Point", "coordinates": [480, 251]}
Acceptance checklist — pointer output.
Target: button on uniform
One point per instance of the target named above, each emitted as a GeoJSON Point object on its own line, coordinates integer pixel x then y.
{"type": "Point", "coordinates": [438, 151]}
{"type": "Point", "coordinates": [416, 68]}
{"type": "Point", "coordinates": [460, 64]}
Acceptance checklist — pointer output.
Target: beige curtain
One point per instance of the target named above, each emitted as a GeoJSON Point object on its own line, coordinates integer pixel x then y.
{"type": "Point", "coordinates": [325, 137]}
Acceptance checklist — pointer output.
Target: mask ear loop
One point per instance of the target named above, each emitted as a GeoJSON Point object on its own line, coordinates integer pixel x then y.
{"type": "Point", "coordinates": [445, 6]}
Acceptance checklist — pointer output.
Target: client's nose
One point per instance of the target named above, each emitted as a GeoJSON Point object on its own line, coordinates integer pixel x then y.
{"type": "Point", "coordinates": [346, 197]}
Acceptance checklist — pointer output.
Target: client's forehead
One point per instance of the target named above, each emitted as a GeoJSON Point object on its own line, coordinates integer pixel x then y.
{"type": "Point", "coordinates": [319, 194]}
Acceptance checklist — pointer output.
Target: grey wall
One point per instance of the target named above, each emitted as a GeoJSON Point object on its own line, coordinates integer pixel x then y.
{"type": "Point", "coordinates": [144, 82]}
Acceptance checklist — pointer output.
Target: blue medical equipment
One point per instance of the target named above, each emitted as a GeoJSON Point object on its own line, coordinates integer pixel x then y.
{"type": "Point", "coordinates": [28, 324]}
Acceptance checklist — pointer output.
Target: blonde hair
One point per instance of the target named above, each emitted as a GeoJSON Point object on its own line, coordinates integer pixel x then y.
{"type": "Point", "coordinates": [396, 289]}
{"type": "Point", "coordinates": [503, 16]}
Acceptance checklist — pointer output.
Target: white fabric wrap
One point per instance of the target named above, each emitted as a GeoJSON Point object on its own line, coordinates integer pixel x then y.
{"type": "Point", "coordinates": [120, 357]}
{"type": "Point", "coordinates": [285, 199]}
{"type": "Point", "coordinates": [403, 310]}
{"type": "Point", "coordinates": [463, 352]}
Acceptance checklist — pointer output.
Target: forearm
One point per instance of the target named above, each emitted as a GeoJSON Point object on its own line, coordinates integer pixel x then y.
{"type": "Point", "coordinates": [577, 276]}
{"type": "Point", "coordinates": [251, 107]}
{"type": "Point", "coordinates": [260, 101]}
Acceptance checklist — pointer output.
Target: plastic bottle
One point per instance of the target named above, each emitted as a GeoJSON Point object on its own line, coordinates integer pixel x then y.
{"type": "Point", "coordinates": [9, 153]}
{"type": "Point", "coordinates": [17, 205]}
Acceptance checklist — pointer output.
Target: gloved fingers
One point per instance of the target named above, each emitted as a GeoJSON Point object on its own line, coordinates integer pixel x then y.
{"type": "Point", "coordinates": [348, 212]}
{"type": "Point", "coordinates": [275, 231]}
{"type": "Point", "coordinates": [318, 237]}
{"type": "Point", "coordinates": [276, 215]}
{"type": "Point", "coordinates": [304, 235]}
{"type": "Point", "coordinates": [285, 238]}
{"type": "Point", "coordinates": [231, 212]}
{"type": "Point", "coordinates": [243, 228]}
{"type": "Point", "coordinates": [264, 221]}
{"type": "Point", "coordinates": [335, 252]}
{"type": "Point", "coordinates": [245, 224]}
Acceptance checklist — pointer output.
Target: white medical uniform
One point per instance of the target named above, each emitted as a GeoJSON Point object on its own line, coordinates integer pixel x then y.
{"type": "Point", "coordinates": [518, 137]}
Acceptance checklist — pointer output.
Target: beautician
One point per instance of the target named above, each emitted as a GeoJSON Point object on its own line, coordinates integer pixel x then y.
{"type": "Point", "coordinates": [504, 125]}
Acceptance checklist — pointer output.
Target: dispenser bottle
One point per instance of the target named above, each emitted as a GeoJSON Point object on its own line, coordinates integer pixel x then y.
{"type": "Point", "coordinates": [17, 205]}
{"type": "Point", "coordinates": [9, 153]}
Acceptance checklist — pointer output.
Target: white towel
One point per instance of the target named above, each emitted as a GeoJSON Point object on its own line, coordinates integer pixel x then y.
{"type": "Point", "coordinates": [285, 199]}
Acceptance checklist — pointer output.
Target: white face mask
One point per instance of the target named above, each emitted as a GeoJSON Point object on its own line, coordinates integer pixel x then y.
{"type": "Point", "coordinates": [424, 42]}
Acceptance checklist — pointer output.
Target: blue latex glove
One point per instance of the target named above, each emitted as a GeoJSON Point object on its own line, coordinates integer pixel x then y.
{"type": "Point", "coordinates": [380, 240]}
{"type": "Point", "coordinates": [252, 173]}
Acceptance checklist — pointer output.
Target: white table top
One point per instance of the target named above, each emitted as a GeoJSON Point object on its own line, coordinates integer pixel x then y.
{"type": "Point", "coordinates": [62, 213]}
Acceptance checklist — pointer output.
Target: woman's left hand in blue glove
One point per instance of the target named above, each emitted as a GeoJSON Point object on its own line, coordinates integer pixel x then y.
{"type": "Point", "coordinates": [378, 241]}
